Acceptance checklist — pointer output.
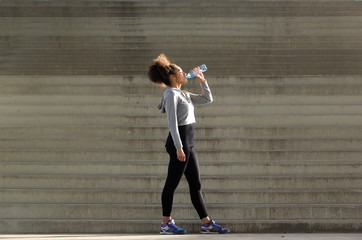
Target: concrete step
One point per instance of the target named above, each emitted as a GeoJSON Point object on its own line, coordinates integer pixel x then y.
{"type": "Point", "coordinates": [192, 23]}
{"type": "Point", "coordinates": [237, 56]}
{"type": "Point", "coordinates": [154, 100]}
{"type": "Point", "coordinates": [320, 4]}
{"type": "Point", "coordinates": [210, 110]}
{"type": "Point", "coordinates": [223, 62]}
{"type": "Point", "coordinates": [183, 8]}
{"type": "Point", "coordinates": [161, 132]}
{"type": "Point", "coordinates": [182, 211]}
{"type": "Point", "coordinates": [116, 70]}
{"type": "Point", "coordinates": [321, 144]}
{"type": "Point", "coordinates": [171, 12]}
{"type": "Point", "coordinates": [150, 26]}
{"type": "Point", "coordinates": [152, 196]}
{"type": "Point", "coordinates": [201, 42]}
{"type": "Point", "coordinates": [206, 168]}
{"type": "Point", "coordinates": [139, 57]}
{"type": "Point", "coordinates": [215, 81]}
{"type": "Point", "coordinates": [117, 181]}
{"type": "Point", "coordinates": [71, 27]}
{"type": "Point", "coordinates": [296, 89]}
{"type": "Point", "coordinates": [154, 40]}
{"type": "Point", "coordinates": [92, 43]}
{"type": "Point", "coordinates": [193, 226]}
{"type": "Point", "coordinates": [252, 68]}
{"type": "Point", "coordinates": [335, 68]}
{"type": "Point", "coordinates": [59, 120]}
{"type": "Point", "coordinates": [159, 155]}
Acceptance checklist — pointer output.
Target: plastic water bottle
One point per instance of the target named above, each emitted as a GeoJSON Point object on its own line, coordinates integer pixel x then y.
{"type": "Point", "coordinates": [193, 73]}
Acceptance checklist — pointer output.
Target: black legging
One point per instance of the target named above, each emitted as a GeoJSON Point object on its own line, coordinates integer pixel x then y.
{"type": "Point", "coordinates": [176, 169]}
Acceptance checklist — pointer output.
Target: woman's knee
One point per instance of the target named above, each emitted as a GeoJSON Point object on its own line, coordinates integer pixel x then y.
{"type": "Point", "coordinates": [170, 186]}
{"type": "Point", "coordinates": [195, 186]}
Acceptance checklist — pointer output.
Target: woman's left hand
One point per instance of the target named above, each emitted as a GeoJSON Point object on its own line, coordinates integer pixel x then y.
{"type": "Point", "coordinates": [200, 76]}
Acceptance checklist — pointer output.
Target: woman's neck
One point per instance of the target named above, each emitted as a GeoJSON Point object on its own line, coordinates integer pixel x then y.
{"type": "Point", "coordinates": [178, 86]}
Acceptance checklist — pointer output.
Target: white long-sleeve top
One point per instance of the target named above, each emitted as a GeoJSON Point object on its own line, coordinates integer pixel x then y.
{"type": "Point", "coordinates": [179, 108]}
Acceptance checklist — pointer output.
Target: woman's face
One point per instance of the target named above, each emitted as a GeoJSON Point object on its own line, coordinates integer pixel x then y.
{"type": "Point", "coordinates": [180, 76]}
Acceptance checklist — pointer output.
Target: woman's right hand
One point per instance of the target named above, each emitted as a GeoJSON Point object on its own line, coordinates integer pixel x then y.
{"type": "Point", "coordinates": [181, 155]}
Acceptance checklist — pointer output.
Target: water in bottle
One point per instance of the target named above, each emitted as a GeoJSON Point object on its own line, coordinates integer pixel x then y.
{"type": "Point", "coordinates": [193, 73]}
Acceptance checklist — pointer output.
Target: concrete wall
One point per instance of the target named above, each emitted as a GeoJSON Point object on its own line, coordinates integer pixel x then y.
{"type": "Point", "coordinates": [81, 140]}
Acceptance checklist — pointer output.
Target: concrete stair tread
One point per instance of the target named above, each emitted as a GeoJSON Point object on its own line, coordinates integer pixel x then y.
{"type": "Point", "coordinates": [135, 211]}
{"type": "Point", "coordinates": [163, 116]}
{"type": "Point", "coordinates": [159, 190]}
{"type": "Point", "coordinates": [248, 72]}
{"type": "Point", "coordinates": [153, 176]}
{"type": "Point", "coordinates": [216, 144]}
{"type": "Point", "coordinates": [88, 181]}
{"type": "Point", "coordinates": [77, 45]}
{"type": "Point", "coordinates": [206, 121]}
{"type": "Point", "coordinates": [230, 110]}
{"type": "Point", "coordinates": [192, 221]}
{"type": "Point", "coordinates": [183, 205]}
{"type": "Point", "coordinates": [162, 151]}
{"type": "Point", "coordinates": [272, 53]}
{"type": "Point", "coordinates": [218, 89]}
{"type": "Point", "coordinates": [182, 196]}
{"type": "Point", "coordinates": [142, 21]}
{"type": "Point", "coordinates": [163, 163]}
{"type": "Point", "coordinates": [203, 3]}
{"type": "Point", "coordinates": [44, 155]}
{"type": "Point", "coordinates": [161, 132]}
{"type": "Point", "coordinates": [155, 99]}
{"type": "Point", "coordinates": [141, 81]}
{"type": "Point", "coordinates": [197, 138]}
{"type": "Point", "coordinates": [248, 99]}
{"type": "Point", "coordinates": [192, 225]}
{"type": "Point", "coordinates": [131, 25]}
{"type": "Point", "coordinates": [117, 28]}
{"type": "Point", "coordinates": [181, 39]}
{"type": "Point", "coordinates": [208, 168]}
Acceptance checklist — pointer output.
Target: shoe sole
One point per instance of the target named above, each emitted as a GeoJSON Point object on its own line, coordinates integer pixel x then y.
{"type": "Point", "coordinates": [214, 232]}
{"type": "Point", "coordinates": [171, 233]}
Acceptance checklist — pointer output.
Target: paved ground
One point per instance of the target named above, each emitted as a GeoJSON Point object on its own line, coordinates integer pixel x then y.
{"type": "Point", "coordinates": [329, 236]}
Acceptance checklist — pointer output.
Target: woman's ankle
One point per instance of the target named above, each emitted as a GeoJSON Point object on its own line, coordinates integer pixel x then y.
{"type": "Point", "coordinates": [205, 220]}
{"type": "Point", "coordinates": [166, 219]}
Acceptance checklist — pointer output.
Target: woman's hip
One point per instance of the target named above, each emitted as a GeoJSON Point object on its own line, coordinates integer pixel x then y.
{"type": "Point", "coordinates": [186, 133]}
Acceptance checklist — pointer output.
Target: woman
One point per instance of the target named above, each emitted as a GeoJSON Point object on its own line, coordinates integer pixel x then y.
{"type": "Point", "coordinates": [179, 108]}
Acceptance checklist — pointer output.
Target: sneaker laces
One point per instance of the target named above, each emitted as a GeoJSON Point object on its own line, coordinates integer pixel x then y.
{"type": "Point", "coordinates": [212, 222]}
{"type": "Point", "coordinates": [171, 223]}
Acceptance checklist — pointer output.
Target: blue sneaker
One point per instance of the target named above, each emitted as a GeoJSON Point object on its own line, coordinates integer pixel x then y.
{"type": "Point", "coordinates": [212, 227]}
{"type": "Point", "coordinates": [171, 228]}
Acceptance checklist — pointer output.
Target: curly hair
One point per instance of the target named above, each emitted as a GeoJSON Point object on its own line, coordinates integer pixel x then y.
{"type": "Point", "coordinates": [160, 70]}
